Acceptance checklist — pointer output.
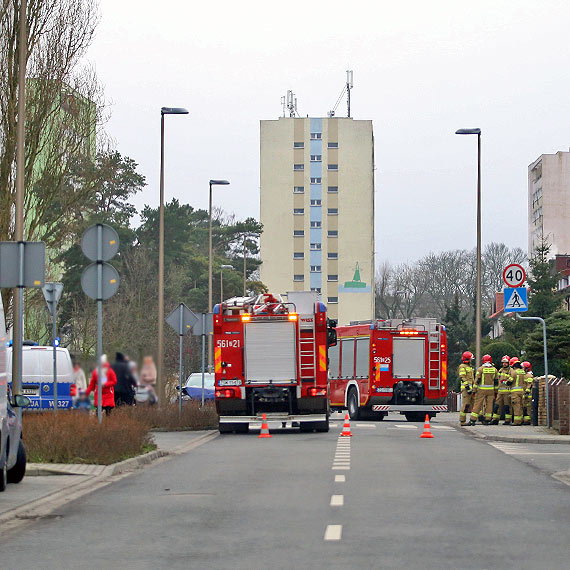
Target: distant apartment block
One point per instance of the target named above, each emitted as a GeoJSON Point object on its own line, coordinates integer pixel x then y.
{"type": "Point", "coordinates": [549, 202]}
{"type": "Point", "coordinates": [317, 211]}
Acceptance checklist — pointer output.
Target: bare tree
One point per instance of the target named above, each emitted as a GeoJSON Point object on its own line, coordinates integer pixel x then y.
{"type": "Point", "coordinates": [496, 256]}
{"type": "Point", "coordinates": [63, 110]}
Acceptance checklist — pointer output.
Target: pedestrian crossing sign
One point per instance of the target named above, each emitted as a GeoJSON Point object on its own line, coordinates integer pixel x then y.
{"type": "Point", "coordinates": [516, 300]}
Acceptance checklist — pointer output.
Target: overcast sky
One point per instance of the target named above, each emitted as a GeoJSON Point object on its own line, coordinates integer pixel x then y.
{"type": "Point", "coordinates": [421, 70]}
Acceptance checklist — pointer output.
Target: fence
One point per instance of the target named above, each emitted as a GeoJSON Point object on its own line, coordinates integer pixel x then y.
{"type": "Point", "coordinates": [453, 402]}
{"type": "Point", "coordinates": [559, 403]}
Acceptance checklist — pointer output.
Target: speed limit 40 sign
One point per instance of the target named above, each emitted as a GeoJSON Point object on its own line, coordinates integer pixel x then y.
{"type": "Point", "coordinates": [514, 275]}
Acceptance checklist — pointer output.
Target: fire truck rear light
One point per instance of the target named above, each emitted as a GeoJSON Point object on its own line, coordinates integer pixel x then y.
{"type": "Point", "coordinates": [245, 318]}
{"type": "Point", "coordinates": [293, 316]}
{"type": "Point", "coordinates": [408, 333]}
{"type": "Point", "coordinates": [227, 393]}
{"type": "Point", "coordinates": [317, 391]}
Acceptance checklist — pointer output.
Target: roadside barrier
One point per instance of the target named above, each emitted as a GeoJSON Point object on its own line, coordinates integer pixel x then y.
{"type": "Point", "coordinates": [427, 433]}
{"type": "Point", "coordinates": [264, 427]}
{"type": "Point", "coordinates": [346, 427]}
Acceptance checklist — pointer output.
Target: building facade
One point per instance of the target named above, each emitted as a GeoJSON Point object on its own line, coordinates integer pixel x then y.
{"type": "Point", "coordinates": [317, 211]}
{"type": "Point", "coordinates": [549, 202]}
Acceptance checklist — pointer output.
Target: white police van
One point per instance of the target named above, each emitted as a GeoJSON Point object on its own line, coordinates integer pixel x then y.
{"type": "Point", "coordinates": [12, 451]}
{"type": "Point", "coordinates": [37, 376]}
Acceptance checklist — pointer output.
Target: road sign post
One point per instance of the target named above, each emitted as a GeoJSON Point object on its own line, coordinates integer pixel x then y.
{"type": "Point", "coordinates": [182, 319]}
{"type": "Point", "coordinates": [203, 328]}
{"type": "Point", "coordinates": [516, 300]}
{"type": "Point", "coordinates": [52, 294]}
{"type": "Point", "coordinates": [22, 264]}
{"type": "Point", "coordinates": [100, 281]}
{"type": "Point", "coordinates": [514, 275]}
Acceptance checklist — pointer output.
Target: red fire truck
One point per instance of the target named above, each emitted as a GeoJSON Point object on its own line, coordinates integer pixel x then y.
{"type": "Point", "coordinates": [390, 365]}
{"type": "Point", "coordinates": [271, 356]}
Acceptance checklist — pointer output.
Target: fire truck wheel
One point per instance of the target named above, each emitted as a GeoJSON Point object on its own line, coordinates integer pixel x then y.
{"type": "Point", "coordinates": [352, 404]}
{"type": "Point", "coordinates": [322, 426]}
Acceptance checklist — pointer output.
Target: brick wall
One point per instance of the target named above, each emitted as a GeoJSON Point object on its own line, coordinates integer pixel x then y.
{"type": "Point", "coordinates": [559, 403]}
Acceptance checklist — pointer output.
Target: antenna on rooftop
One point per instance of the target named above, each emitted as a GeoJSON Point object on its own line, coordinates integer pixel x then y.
{"type": "Point", "coordinates": [346, 89]}
{"type": "Point", "coordinates": [289, 103]}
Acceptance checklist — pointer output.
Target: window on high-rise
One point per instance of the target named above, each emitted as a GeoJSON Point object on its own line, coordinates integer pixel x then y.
{"type": "Point", "coordinates": [333, 233]}
{"type": "Point", "coordinates": [298, 233]}
{"type": "Point", "coordinates": [298, 211]}
{"type": "Point", "coordinates": [317, 289]}
{"type": "Point", "coordinates": [315, 202]}
{"type": "Point", "coordinates": [333, 299]}
{"type": "Point", "coordinates": [299, 255]}
{"type": "Point", "coordinates": [316, 180]}
{"type": "Point", "coordinates": [332, 278]}
{"type": "Point", "coordinates": [298, 190]}
{"type": "Point", "coordinates": [333, 166]}
{"type": "Point", "coordinates": [316, 158]}
{"type": "Point", "coordinates": [332, 189]}
{"type": "Point", "coordinates": [299, 277]}
{"type": "Point", "coordinates": [315, 224]}
{"type": "Point", "coordinates": [315, 246]}
{"type": "Point", "coordinates": [333, 145]}
{"type": "Point", "coordinates": [332, 255]}
{"type": "Point", "coordinates": [299, 167]}
{"type": "Point", "coordinates": [298, 145]}
{"type": "Point", "coordinates": [316, 136]}
{"type": "Point", "coordinates": [315, 268]}
{"type": "Point", "coordinates": [333, 211]}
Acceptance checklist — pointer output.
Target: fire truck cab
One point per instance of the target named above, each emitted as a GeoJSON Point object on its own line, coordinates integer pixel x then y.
{"type": "Point", "coordinates": [270, 356]}
{"type": "Point", "coordinates": [390, 365]}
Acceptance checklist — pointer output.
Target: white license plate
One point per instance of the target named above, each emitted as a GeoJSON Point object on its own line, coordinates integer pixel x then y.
{"type": "Point", "coordinates": [228, 382]}
{"type": "Point", "coordinates": [30, 391]}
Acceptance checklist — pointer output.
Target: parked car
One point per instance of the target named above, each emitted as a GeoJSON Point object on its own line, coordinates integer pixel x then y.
{"type": "Point", "coordinates": [12, 450]}
{"type": "Point", "coordinates": [192, 389]}
{"type": "Point", "coordinates": [37, 376]}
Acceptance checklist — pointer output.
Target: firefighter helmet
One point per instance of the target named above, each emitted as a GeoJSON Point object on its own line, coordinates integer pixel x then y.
{"type": "Point", "coordinates": [467, 356]}
{"type": "Point", "coordinates": [506, 358]}
{"type": "Point", "coordinates": [526, 365]}
{"type": "Point", "coordinates": [487, 358]}
{"type": "Point", "coordinates": [513, 360]}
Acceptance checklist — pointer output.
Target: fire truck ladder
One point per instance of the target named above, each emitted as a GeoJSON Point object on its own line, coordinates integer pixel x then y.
{"type": "Point", "coordinates": [434, 336]}
{"type": "Point", "coordinates": [307, 359]}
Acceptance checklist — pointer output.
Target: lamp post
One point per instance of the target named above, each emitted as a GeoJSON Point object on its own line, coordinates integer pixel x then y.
{"type": "Point", "coordinates": [159, 367]}
{"type": "Point", "coordinates": [245, 236]}
{"type": "Point", "coordinates": [212, 183]}
{"type": "Point", "coordinates": [478, 284]}
{"type": "Point", "coordinates": [222, 267]}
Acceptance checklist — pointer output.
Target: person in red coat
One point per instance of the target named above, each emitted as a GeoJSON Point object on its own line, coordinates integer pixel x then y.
{"type": "Point", "coordinates": [107, 389]}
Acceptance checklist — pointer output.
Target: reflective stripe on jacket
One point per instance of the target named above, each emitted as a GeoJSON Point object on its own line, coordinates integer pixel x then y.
{"type": "Point", "coordinates": [518, 375]}
{"type": "Point", "coordinates": [504, 376]}
{"type": "Point", "coordinates": [465, 373]}
{"type": "Point", "coordinates": [486, 376]}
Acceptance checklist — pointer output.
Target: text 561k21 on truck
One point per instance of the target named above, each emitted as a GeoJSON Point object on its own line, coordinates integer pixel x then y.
{"type": "Point", "coordinates": [270, 356]}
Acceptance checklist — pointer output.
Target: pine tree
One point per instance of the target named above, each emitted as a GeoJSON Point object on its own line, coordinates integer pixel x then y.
{"type": "Point", "coordinates": [543, 299]}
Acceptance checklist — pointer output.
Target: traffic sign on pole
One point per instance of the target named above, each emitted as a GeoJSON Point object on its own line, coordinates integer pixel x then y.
{"type": "Point", "coordinates": [182, 319]}
{"type": "Point", "coordinates": [52, 293]}
{"type": "Point", "coordinates": [516, 300]}
{"type": "Point", "coordinates": [109, 242]}
{"type": "Point", "coordinates": [514, 275]}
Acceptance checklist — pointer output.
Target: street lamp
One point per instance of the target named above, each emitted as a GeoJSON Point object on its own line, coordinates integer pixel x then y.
{"type": "Point", "coordinates": [159, 370]}
{"type": "Point", "coordinates": [478, 284]}
{"type": "Point", "coordinates": [212, 183]}
{"type": "Point", "coordinates": [245, 236]}
{"type": "Point", "coordinates": [222, 267]}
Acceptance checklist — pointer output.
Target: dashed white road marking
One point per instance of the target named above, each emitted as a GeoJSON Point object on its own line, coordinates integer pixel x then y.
{"type": "Point", "coordinates": [340, 478]}
{"type": "Point", "coordinates": [403, 426]}
{"type": "Point", "coordinates": [338, 467]}
{"type": "Point", "coordinates": [518, 449]}
{"type": "Point", "coordinates": [333, 532]}
{"type": "Point", "coordinates": [369, 426]}
{"type": "Point", "coordinates": [441, 427]}
{"type": "Point", "coordinates": [337, 500]}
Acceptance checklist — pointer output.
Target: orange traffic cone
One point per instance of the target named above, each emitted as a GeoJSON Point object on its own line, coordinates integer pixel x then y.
{"type": "Point", "coordinates": [427, 433]}
{"type": "Point", "coordinates": [346, 427]}
{"type": "Point", "coordinates": [264, 427]}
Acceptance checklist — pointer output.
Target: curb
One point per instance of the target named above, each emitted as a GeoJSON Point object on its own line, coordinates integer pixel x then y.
{"type": "Point", "coordinates": [513, 438]}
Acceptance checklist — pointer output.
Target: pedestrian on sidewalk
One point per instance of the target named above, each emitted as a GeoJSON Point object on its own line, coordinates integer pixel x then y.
{"type": "Point", "coordinates": [126, 382]}
{"type": "Point", "coordinates": [503, 398]}
{"type": "Point", "coordinates": [486, 382]}
{"type": "Point", "coordinates": [148, 378]}
{"type": "Point", "coordinates": [465, 373]}
{"type": "Point", "coordinates": [107, 389]}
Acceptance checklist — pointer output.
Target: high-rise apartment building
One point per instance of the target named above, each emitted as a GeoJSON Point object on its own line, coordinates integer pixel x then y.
{"type": "Point", "coordinates": [317, 211]}
{"type": "Point", "coordinates": [549, 202]}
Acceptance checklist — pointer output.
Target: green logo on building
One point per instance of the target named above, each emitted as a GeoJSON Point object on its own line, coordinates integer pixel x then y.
{"type": "Point", "coordinates": [356, 285]}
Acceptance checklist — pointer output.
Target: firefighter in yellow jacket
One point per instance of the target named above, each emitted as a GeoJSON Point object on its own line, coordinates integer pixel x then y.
{"type": "Point", "coordinates": [503, 398]}
{"type": "Point", "coordinates": [465, 373]}
{"type": "Point", "coordinates": [518, 387]}
{"type": "Point", "coordinates": [486, 384]}
{"type": "Point", "coordinates": [527, 398]}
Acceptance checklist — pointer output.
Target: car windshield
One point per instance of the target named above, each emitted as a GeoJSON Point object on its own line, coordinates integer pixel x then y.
{"type": "Point", "coordinates": [195, 380]}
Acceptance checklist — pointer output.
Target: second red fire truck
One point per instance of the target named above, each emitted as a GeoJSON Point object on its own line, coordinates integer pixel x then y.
{"type": "Point", "coordinates": [270, 356]}
{"type": "Point", "coordinates": [390, 365]}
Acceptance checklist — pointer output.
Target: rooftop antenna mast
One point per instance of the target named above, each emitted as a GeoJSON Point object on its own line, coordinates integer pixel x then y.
{"type": "Point", "coordinates": [289, 103]}
{"type": "Point", "coordinates": [346, 89]}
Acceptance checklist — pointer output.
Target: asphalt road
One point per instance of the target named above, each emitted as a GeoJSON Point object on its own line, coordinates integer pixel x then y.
{"type": "Point", "coordinates": [383, 499]}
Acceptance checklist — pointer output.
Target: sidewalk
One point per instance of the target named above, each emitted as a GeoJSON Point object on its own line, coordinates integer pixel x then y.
{"type": "Point", "coordinates": [512, 434]}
